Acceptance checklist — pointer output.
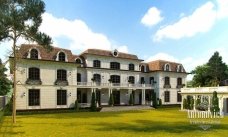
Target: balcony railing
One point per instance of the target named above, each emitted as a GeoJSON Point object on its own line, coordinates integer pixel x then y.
{"type": "Point", "coordinates": [167, 86]}
{"type": "Point", "coordinates": [33, 82]}
{"type": "Point", "coordinates": [61, 82]}
{"type": "Point", "coordinates": [121, 85]}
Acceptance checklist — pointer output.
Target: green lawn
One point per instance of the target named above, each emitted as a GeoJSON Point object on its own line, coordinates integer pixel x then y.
{"type": "Point", "coordinates": [161, 122]}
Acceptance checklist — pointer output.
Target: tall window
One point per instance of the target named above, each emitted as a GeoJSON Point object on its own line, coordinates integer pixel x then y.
{"type": "Point", "coordinates": [131, 67]}
{"type": "Point", "coordinates": [34, 54]}
{"type": "Point", "coordinates": [167, 96]}
{"type": "Point", "coordinates": [97, 63]}
{"type": "Point", "coordinates": [78, 61]}
{"type": "Point", "coordinates": [167, 81]}
{"type": "Point", "coordinates": [142, 68]}
{"type": "Point", "coordinates": [61, 75]}
{"type": "Point", "coordinates": [115, 79]}
{"type": "Point", "coordinates": [131, 79]}
{"type": "Point", "coordinates": [142, 80]}
{"type": "Point", "coordinates": [62, 56]}
{"type": "Point", "coordinates": [114, 65]}
{"type": "Point", "coordinates": [97, 77]}
{"type": "Point", "coordinates": [34, 73]}
{"type": "Point", "coordinates": [179, 81]}
{"type": "Point", "coordinates": [61, 97]}
{"type": "Point", "coordinates": [151, 80]}
{"type": "Point", "coordinates": [179, 98]}
{"type": "Point", "coordinates": [34, 97]}
{"type": "Point", "coordinates": [79, 79]}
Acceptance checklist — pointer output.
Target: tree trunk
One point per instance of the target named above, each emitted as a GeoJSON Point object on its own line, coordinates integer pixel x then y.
{"type": "Point", "coordinates": [14, 82]}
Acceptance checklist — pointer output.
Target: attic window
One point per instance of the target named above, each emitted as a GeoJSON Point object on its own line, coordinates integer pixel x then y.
{"type": "Point", "coordinates": [167, 67]}
{"type": "Point", "coordinates": [34, 54]}
{"type": "Point", "coordinates": [115, 53]}
{"type": "Point", "coordinates": [62, 56]}
{"type": "Point", "coordinates": [179, 68]}
{"type": "Point", "coordinates": [78, 61]}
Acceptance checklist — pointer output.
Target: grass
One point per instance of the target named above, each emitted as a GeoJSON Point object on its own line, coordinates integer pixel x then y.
{"type": "Point", "coordinates": [161, 122]}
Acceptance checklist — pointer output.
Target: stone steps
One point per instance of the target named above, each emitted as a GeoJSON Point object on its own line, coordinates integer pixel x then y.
{"type": "Point", "coordinates": [124, 108]}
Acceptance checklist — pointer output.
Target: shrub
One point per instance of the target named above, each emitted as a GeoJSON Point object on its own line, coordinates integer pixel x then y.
{"type": "Point", "coordinates": [93, 106]}
{"type": "Point", "coordinates": [185, 105]}
{"type": "Point", "coordinates": [215, 106]}
{"type": "Point", "coordinates": [131, 100]}
{"type": "Point", "coordinates": [111, 100]}
{"type": "Point", "coordinates": [198, 103]}
{"type": "Point", "coordinates": [154, 99]}
{"type": "Point", "coordinates": [191, 103]}
{"type": "Point", "coordinates": [160, 102]}
{"type": "Point", "coordinates": [9, 107]}
{"type": "Point", "coordinates": [76, 105]}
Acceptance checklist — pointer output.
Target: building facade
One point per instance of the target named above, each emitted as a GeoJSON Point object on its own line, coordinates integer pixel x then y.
{"type": "Point", "coordinates": [55, 79]}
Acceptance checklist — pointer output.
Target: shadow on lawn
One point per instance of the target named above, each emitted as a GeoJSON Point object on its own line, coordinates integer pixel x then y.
{"type": "Point", "coordinates": [84, 115]}
{"type": "Point", "coordinates": [6, 128]}
{"type": "Point", "coordinates": [154, 126]}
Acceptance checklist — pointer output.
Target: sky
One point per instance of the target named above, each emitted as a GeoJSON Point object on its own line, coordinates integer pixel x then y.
{"type": "Point", "coordinates": [184, 31]}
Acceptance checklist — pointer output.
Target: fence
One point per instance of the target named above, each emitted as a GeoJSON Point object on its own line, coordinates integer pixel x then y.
{"type": "Point", "coordinates": [203, 114]}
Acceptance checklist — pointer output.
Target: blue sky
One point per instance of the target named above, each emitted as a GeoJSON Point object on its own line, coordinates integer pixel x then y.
{"type": "Point", "coordinates": [183, 31]}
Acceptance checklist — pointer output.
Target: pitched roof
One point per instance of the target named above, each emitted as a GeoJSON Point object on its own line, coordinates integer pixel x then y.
{"type": "Point", "coordinates": [44, 54]}
{"type": "Point", "coordinates": [107, 53]}
{"type": "Point", "coordinates": [158, 65]}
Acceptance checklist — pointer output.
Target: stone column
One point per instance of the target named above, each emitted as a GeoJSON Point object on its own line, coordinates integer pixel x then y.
{"type": "Point", "coordinates": [209, 102]}
{"type": "Point", "coordinates": [221, 104]}
{"type": "Point", "coordinates": [182, 102]}
{"type": "Point", "coordinates": [194, 105]}
{"type": "Point", "coordinates": [143, 96]}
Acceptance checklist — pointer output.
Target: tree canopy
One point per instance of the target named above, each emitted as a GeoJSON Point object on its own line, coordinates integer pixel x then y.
{"type": "Point", "coordinates": [212, 73]}
{"type": "Point", "coordinates": [5, 84]}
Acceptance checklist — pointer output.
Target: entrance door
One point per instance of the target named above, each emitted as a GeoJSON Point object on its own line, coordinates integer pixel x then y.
{"type": "Point", "coordinates": [116, 97]}
{"type": "Point", "coordinates": [140, 98]}
{"type": "Point", "coordinates": [227, 105]}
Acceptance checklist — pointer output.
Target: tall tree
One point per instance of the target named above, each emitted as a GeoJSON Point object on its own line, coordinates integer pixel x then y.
{"type": "Point", "coordinates": [216, 69]}
{"type": "Point", "coordinates": [21, 18]}
{"type": "Point", "coordinates": [210, 74]}
{"type": "Point", "coordinates": [4, 82]}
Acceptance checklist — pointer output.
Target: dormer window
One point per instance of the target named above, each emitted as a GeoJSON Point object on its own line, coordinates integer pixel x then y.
{"type": "Point", "coordinates": [115, 53]}
{"type": "Point", "coordinates": [34, 54]}
{"type": "Point", "coordinates": [142, 68]}
{"type": "Point", "coordinates": [179, 68]}
{"type": "Point", "coordinates": [78, 61]}
{"type": "Point", "coordinates": [167, 67]}
{"type": "Point", "coordinates": [62, 56]}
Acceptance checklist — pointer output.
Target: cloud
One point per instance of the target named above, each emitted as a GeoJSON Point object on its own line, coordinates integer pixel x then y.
{"type": "Point", "coordinates": [152, 17]}
{"type": "Point", "coordinates": [79, 35]}
{"type": "Point", "coordinates": [222, 8]}
{"type": "Point", "coordinates": [201, 20]}
{"type": "Point", "coordinates": [161, 56]}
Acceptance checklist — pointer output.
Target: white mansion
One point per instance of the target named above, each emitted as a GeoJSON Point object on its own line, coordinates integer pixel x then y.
{"type": "Point", "coordinates": [47, 80]}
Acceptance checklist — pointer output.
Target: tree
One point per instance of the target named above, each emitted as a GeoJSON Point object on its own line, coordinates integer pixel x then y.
{"type": "Point", "coordinates": [185, 106]}
{"type": "Point", "coordinates": [93, 105]}
{"type": "Point", "coordinates": [160, 102]}
{"type": "Point", "coordinates": [5, 84]}
{"type": "Point", "coordinates": [215, 106]}
{"type": "Point", "coordinates": [21, 19]}
{"type": "Point", "coordinates": [76, 105]}
{"type": "Point", "coordinates": [131, 100]}
{"type": "Point", "coordinates": [210, 74]}
{"type": "Point", "coordinates": [111, 100]}
{"type": "Point", "coordinates": [198, 103]}
{"type": "Point", "coordinates": [154, 99]}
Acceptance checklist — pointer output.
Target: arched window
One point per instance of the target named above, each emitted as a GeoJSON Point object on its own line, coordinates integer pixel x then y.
{"type": "Point", "coordinates": [142, 68]}
{"type": "Point", "coordinates": [131, 67]}
{"type": "Point", "coordinates": [152, 80]}
{"type": "Point", "coordinates": [97, 63]}
{"type": "Point", "coordinates": [131, 79]}
{"type": "Point", "coordinates": [34, 54]}
{"type": "Point", "coordinates": [97, 78]}
{"type": "Point", "coordinates": [114, 65]}
{"type": "Point", "coordinates": [34, 73]}
{"type": "Point", "coordinates": [61, 75]}
{"type": "Point", "coordinates": [78, 61]}
{"type": "Point", "coordinates": [167, 96]}
{"type": "Point", "coordinates": [179, 81]}
{"type": "Point", "coordinates": [167, 81]}
{"type": "Point", "coordinates": [62, 56]}
{"type": "Point", "coordinates": [115, 78]}
{"type": "Point", "coordinates": [167, 67]}
{"type": "Point", "coordinates": [79, 79]}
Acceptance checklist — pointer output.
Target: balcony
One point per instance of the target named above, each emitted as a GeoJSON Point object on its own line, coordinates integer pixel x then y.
{"type": "Point", "coordinates": [33, 82]}
{"type": "Point", "coordinates": [113, 85]}
{"type": "Point", "coordinates": [167, 86]}
{"type": "Point", "coordinates": [61, 82]}
{"type": "Point", "coordinates": [180, 86]}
